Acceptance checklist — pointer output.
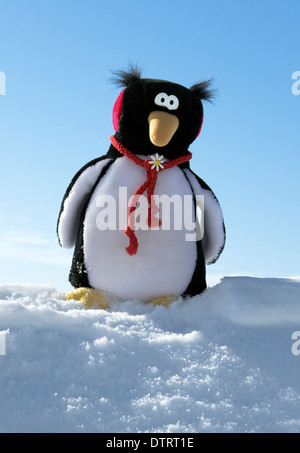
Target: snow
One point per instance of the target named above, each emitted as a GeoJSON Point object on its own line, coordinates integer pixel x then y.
{"type": "Point", "coordinates": [225, 361]}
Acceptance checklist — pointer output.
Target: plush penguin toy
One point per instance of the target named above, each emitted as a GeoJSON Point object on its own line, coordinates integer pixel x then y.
{"type": "Point", "coordinates": [143, 224]}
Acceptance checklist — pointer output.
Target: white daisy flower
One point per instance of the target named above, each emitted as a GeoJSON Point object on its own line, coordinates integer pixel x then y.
{"type": "Point", "coordinates": [157, 161]}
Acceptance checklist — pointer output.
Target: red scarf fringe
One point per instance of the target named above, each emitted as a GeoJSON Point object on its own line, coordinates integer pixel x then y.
{"type": "Point", "coordinates": [148, 185]}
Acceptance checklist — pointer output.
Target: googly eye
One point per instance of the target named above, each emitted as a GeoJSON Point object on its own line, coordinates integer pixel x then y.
{"type": "Point", "coordinates": [161, 99]}
{"type": "Point", "coordinates": [173, 102]}
{"type": "Point", "coordinates": [170, 102]}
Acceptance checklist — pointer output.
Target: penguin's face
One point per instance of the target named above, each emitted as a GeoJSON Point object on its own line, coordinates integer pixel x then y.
{"type": "Point", "coordinates": [151, 114]}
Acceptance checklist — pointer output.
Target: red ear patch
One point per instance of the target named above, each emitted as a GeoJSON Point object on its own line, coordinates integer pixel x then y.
{"type": "Point", "coordinates": [200, 127]}
{"type": "Point", "coordinates": [117, 110]}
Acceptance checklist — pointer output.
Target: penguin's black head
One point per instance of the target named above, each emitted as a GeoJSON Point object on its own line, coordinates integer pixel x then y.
{"type": "Point", "coordinates": [150, 114]}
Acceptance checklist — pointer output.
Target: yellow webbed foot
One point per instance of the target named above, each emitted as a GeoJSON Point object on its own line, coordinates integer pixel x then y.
{"type": "Point", "coordinates": [90, 297]}
{"type": "Point", "coordinates": [164, 301]}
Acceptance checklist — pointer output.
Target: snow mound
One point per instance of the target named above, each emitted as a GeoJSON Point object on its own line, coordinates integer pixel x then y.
{"type": "Point", "coordinates": [225, 361]}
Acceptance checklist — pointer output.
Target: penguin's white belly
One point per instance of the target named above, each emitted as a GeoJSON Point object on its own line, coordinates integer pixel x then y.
{"type": "Point", "coordinates": [165, 260]}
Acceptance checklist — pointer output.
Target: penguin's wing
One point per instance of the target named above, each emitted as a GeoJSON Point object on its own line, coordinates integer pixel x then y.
{"type": "Point", "coordinates": [76, 194]}
{"type": "Point", "coordinates": [214, 235]}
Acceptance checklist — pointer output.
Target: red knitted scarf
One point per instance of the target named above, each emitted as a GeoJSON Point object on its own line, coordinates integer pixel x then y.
{"type": "Point", "coordinates": [149, 185]}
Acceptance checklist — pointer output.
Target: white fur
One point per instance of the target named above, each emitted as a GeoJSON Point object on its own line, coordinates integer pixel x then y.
{"type": "Point", "coordinates": [70, 216]}
{"type": "Point", "coordinates": [165, 261]}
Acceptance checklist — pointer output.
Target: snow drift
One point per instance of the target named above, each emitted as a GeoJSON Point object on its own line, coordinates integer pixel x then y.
{"type": "Point", "coordinates": [225, 361]}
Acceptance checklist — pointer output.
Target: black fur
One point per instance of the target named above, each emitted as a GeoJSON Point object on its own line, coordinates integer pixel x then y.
{"type": "Point", "coordinates": [123, 78]}
{"type": "Point", "coordinates": [198, 281]}
{"type": "Point", "coordinates": [203, 90]}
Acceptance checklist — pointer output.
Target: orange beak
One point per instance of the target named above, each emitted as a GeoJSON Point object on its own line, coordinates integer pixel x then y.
{"type": "Point", "coordinates": [162, 127]}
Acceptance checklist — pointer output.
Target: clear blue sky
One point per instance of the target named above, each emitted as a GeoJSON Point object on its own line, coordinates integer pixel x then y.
{"type": "Point", "coordinates": [56, 116]}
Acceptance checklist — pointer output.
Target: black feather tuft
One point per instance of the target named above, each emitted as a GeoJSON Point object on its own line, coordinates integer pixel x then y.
{"type": "Point", "coordinates": [203, 90]}
{"type": "Point", "coordinates": [123, 78]}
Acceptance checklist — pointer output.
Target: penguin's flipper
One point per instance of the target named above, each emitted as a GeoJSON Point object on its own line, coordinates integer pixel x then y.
{"type": "Point", "coordinates": [214, 234]}
{"type": "Point", "coordinates": [75, 196]}
{"type": "Point", "coordinates": [90, 297]}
